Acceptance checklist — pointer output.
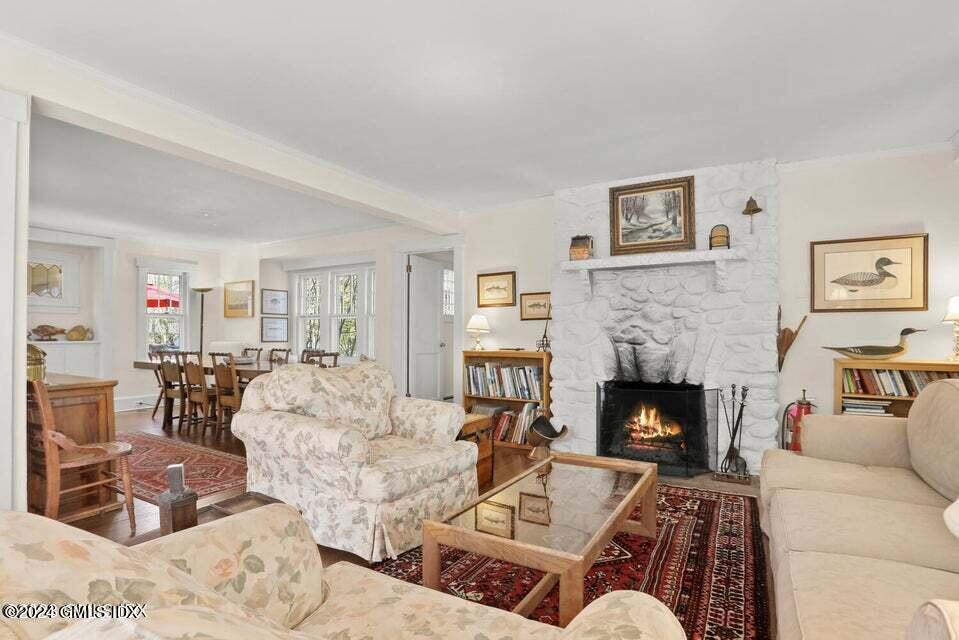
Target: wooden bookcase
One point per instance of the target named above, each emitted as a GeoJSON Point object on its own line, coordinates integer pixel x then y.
{"type": "Point", "coordinates": [511, 359]}
{"type": "Point", "coordinates": [899, 405]}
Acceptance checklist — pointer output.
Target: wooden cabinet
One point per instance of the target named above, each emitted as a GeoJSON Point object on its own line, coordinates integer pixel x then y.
{"type": "Point", "coordinates": [83, 410]}
{"type": "Point", "coordinates": [477, 429]}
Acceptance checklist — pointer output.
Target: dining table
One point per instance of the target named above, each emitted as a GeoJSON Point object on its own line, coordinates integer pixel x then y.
{"type": "Point", "coordinates": [244, 371]}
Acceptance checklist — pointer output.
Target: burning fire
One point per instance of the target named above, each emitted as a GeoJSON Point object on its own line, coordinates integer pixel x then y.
{"type": "Point", "coordinates": [647, 424]}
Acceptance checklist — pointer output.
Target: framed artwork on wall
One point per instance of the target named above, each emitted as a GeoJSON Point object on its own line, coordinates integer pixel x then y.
{"type": "Point", "coordinates": [652, 216]}
{"type": "Point", "coordinates": [495, 518]}
{"type": "Point", "coordinates": [238, 299]}
{"type": "Point", "coordinates": [274, 329]}
{"type": "Point", "coordinates": [274, 302]}
{"type": "Point", "coordinates": [886, 273]}
{"type": "Point", "coordinates": [534, 508]}
{"type": "Point", "coordinates": [535, 306]}
{"type": "Point", "coordinates": [496, 289]}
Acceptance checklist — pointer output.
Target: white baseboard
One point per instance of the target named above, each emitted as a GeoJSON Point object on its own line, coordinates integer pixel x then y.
{"type": "Point", "coordinates": [134, 403]}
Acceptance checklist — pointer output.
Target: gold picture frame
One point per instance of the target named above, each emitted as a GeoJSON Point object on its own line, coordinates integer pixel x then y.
{"type": "Point", "coordinates": [534, 508]}
{"type": "Point", "coordinates": [239, 299]}
{"type": "Point", "coordinates": [882, 273]}
{"type": "Point", "coordinates": [535, 305]}
{"type": "Point", "coordinates": [495, 518]}
{"type": "Point", "coordinates": [496, 289]}
{"type": "Point", "coordinates": [652, 216]}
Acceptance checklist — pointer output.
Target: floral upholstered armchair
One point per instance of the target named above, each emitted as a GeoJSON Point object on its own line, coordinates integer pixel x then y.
{"type": "Point", "coordinates": [363, 465]}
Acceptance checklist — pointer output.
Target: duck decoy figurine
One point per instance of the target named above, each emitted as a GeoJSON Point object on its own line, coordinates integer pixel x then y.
{"type": "Point", "coordinates": [881, 278]}
{"type": "Point", "coordinates": [877, 352]}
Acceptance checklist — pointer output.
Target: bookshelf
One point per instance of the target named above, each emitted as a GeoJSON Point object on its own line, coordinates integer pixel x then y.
{"type": "Point", "coordinates": [536, 359]}
{"type": "Point", "coordinates": [910, 371]}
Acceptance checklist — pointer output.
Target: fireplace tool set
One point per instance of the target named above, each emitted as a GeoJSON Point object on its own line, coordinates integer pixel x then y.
{"type": "Point", "coordinates": [733, 467]}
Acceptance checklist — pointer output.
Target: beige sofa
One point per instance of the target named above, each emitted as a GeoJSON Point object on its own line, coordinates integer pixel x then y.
{"type": "Point", "coordinates": [858, 544]}
{"type": "Point", "coordinates": [258, 576]}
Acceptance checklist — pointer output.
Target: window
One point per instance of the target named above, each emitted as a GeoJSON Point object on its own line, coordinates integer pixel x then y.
{"type": "Point", "coordinates": [371, 312]}
{"type": "Point", "coordinates": [164, 309]}
{"type": "Point", "coordinates": [53, 281]}
{"type": "Point", "coordinates": [449, 293]}
{"type": "Point", "coordinates": [335, 311]}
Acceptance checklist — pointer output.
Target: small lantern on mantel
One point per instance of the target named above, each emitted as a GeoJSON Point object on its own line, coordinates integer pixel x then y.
{"type": "Point", "coordinates": [581, 248]}
{"type": "Point", "coordinates": [719, 237]}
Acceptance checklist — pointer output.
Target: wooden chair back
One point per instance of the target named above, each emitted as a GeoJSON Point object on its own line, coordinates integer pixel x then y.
{"type": "Point", "coordinates": [316, 357]}
{"type": "Point", "coordinates": [171, 374]}
{"type": "Point", "coordinates": [43, 450]}
{"type": "Point", "coordinates": [225, 379]}
{"type": "Point", "coordinates": [193, 372]}
{"type": "Point", "coordinates": [252, 351]}
{"type": "Point", "coordinates": [279, 356]}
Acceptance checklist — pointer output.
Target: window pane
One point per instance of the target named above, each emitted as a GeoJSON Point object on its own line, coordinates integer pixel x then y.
{"type": "Point", "coordinates": [163, 293]}
{"type": "Point", "coordinates": [312, 295]}
{"type": "Point", "coordinates": [163, 333]}
{"type": "Point", "coordinates": [311, 333]}
{"type": "Point", "coordinates": [44, 280]}
{"type": "Point", "coordinates": [345, 337]}
{"type": "Point", "coordinates": [344, 294]}
{"type": "Point", "coordinates": [449, 294]}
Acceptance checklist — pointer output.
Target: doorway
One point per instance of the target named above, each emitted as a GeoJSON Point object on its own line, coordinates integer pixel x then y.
{"type": "Point", "coordinates": [431, 310]}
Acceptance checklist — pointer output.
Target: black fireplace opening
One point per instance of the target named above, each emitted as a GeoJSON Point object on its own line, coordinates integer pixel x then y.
{"type": "Point", "coordinates": [673, 425]}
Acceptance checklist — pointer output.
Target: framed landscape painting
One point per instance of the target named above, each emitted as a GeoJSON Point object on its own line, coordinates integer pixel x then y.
{"type": "Point", "coordinates": [238, 299]}
{"type": "Point", "coordinates": [888, 273]}
{"type": "Point", "coordinates": [652, 216]}
{"type": "Point", "coordinates": [534, 306]}
{"type": "Point", "coordinates": [496, 289]}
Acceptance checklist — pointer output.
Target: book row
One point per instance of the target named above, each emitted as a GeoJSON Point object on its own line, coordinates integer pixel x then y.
{"type": "Point", "coordinates": [899, 383]}
{"type": "Point", "coordinates": [503, 381]}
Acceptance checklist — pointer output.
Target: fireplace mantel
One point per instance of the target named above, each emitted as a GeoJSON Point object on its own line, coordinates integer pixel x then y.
{"type": "Point", "coordinates": [586, 268]}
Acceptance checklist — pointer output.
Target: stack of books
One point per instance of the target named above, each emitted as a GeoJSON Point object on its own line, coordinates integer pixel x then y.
{"type": "Point", "coordinates": [858, 407]}
{"type": "Point", "coordinates": [899, 383]}
{"type": "Point", "coordinates": [511, 426]}
{"type": "Point", "coordinates": [494, 380]}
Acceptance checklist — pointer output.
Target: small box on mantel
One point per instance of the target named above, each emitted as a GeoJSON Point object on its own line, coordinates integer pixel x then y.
{"type": "Point", "coordinates": [581, 248]}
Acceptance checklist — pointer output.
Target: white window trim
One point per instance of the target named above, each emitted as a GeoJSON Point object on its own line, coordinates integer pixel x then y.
{"type": "Point", "coordinates": [187, 271]}
{"type": "Point", "coordinates": [69, 301]}
{"type": "Point", "coordinates": [327, 316]}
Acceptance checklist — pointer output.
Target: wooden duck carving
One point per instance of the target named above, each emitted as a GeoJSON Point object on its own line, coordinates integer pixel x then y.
{"type": "Point", "coordinates": [877, 352]}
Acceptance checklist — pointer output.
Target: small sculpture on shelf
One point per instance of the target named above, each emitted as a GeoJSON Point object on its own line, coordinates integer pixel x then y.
{"type": "Point", "coordinates": [79, 333]}
{"type": "Point", "coordinates": [877, 352]}
{"type": "Point", "coordinates": [581, 248]}
{"type": "Point", "coordinates": [45, 333]}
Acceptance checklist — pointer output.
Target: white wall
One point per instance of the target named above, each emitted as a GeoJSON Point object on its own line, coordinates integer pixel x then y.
{"type": "Point", "coordinates": [858, 196]}
{"type": "Point", "coordinates": [519, 238]}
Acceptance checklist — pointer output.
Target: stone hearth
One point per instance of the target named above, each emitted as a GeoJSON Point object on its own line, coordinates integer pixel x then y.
{"type": "Point", "coordinates": [709, 323]}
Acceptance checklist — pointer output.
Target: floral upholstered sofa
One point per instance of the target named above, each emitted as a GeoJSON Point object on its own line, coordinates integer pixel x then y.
{"type": "Point", "coordinates": [364, 466]}
{"type": "Point", "coordinates": [258, 576]}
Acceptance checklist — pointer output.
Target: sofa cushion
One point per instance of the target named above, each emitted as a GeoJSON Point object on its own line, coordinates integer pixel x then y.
{"type": "Point", "coordinates": [401, 466]}
{"type": "Point", "coordinates": [785, 470]}
{"type": "Point", "coordinates": [858, 526]}
{"type": "Point", "coordinates": [936, 620]}
{"type": "Point", "coordinates": [933, 432]}
{"type": "Point", "coordinates": [825, 596]}
{"type": "Point", "coordinates": [367, 604]}
{"type": "Point", "coordinates": [356, 396]}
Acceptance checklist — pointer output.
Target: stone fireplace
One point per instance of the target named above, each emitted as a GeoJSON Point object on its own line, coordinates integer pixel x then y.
{"type": "Point", "coordinates": [701, 318]}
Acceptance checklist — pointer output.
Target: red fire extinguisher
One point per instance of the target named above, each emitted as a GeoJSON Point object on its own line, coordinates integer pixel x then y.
{"type": "Point", "coordinates": [790, 434]}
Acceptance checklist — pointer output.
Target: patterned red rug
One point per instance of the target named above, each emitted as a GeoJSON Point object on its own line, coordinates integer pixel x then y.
{"type": "Point", "coordinates": [708, 566]}
{"type": "Point", "coordinates": [207, 470]}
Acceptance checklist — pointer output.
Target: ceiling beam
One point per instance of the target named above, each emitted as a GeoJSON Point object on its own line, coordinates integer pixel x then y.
{"type": "Point", "coordinates": [67, 90]}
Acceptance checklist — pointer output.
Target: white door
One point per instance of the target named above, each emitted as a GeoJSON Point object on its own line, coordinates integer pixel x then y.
{"type": "Point", "coordinates": [425, 336]}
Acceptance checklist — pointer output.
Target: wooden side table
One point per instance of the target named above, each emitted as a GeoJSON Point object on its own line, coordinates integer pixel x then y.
{"type": "Point", "coordinates": [477, 428]}
{"type": "Point", "coordinates": [211, 512]}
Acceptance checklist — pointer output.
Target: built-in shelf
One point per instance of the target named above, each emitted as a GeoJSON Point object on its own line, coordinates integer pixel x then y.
{"type": "Point", "coordinates": [648, 261]}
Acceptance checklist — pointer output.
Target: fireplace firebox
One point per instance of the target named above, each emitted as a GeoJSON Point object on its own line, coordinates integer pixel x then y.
{"type": "Point", "coordinates": [673, 425]}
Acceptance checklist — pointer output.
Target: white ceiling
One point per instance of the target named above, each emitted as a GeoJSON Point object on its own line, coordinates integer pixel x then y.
{"type": "Point", "coordinates": [81, 180]}
{"type": "Point", "coordinates": [479, 103]}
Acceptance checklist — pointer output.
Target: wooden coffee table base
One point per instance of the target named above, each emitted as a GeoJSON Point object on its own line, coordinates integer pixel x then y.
{"type": "Point", "coordinates": [567, 569]}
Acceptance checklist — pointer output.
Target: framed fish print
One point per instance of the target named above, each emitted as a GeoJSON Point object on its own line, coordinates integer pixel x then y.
{"type": "Point", "coordinates": [534, 306]}
{"type": "Point", "coordinates": [534, 508]}
{"type": "Point", "coordinates": [652, 216]}
{"type": "Point", "coordinates": [495, 519]}
{"type": "Point", "coordinates": [274, 302]}
{"type": "Point", "coordinates": [496, 289]}
{"type": "Point", "coordinates": [888, 273]}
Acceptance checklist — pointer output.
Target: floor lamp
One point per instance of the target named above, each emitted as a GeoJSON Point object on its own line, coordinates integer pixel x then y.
{"type": "Point", "coordinates": [202, 291]}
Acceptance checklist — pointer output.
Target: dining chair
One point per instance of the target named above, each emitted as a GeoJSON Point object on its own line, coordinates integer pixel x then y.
{"type": "Point", "coordinates": [315, 357]}
{"type": "Point", "coordinates": [174, 389]}
{"type": "Point", "coordinates": [52, 452]}
{"type": "Point", "coordinates": [227, 385]}
{"type": "Point", "coordinates": [198, 394]}
{"type": "Point", "coordinates": [279, 356]}
{"type": "Point", "coordinates": [252, 352]}
{"type": "Point", "coordinates": [154, 357]}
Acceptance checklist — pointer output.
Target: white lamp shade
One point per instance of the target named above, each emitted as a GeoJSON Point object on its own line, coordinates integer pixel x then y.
{"type": "Point", "coordinates": [952, 311]}
{"type": "Point", "coordinates": [478, 324]}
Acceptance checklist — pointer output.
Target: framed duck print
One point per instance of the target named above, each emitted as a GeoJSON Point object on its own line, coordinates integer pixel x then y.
{"type": "Point", "coordinates": [886, 273]}
{"type": "Point", "coordinates": [652, 216]}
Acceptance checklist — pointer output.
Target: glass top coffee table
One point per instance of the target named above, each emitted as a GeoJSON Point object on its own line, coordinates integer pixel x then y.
{"type": "Point", "coordinates": [555, 517]}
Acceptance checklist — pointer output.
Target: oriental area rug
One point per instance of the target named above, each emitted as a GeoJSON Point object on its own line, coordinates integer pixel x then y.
{"type": "Point", "coordinates": [707, 564]}
{"type": "Point", "coordinates": [207, 470]}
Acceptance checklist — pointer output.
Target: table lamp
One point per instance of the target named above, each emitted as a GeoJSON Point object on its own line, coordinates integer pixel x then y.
{"type": "Point", "coordinates": [477, 326]}
{"type": "Point", "coordinates": [952, 315]}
